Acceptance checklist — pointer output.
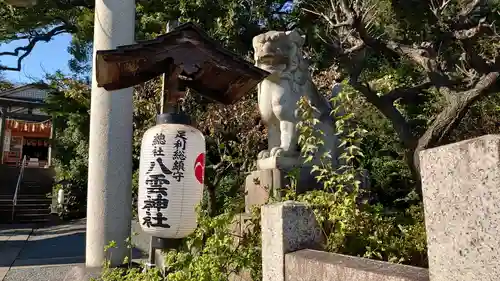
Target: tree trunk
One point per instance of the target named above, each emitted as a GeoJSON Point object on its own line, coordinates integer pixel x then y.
{"type": "Point", "coordinates": [436, 133]}
{"type": "Point", "coordinates": [450, 117]}
{"type": "Point", "coordinates": [212, 199]}
{"type": "Point", "coordinates": [441, 127]}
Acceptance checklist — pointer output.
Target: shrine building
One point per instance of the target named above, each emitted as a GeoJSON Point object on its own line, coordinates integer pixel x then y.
{"type": "Point", "coordinates": [25, 130]}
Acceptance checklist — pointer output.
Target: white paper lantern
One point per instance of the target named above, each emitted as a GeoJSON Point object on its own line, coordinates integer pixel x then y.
{"type": "Point", "coordinates": [171, 174]}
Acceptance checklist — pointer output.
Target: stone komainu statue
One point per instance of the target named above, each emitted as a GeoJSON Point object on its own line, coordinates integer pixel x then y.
{"type": "Point", "coordinates": [280, 53]}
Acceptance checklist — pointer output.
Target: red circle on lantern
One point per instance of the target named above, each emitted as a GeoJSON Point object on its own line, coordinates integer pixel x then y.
{"type": "Point", "coordinates": [199, 167]}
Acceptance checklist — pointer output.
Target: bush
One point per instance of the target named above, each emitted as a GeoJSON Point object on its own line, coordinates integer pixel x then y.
{"type": "Point", "coordinates": [350, 224]}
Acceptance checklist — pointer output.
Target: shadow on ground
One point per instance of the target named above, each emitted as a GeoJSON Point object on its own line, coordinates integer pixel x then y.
{"type": "Point", "coordinates": [61, 244]}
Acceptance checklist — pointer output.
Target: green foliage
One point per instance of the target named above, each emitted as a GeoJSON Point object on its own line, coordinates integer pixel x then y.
{"type": "Point", "coordinates": [38, 24]}
{"type": "Point", "coordinates": [214, 252]}
{"type": "Point", "coordinates": [232, 22]}
{"type": "Point", "coordinates": [384, 154]}
{"type": "Point", "coordinates": [351, 225]}
{"type": "Point", "coordinates": [69, 106]}
{"type": "Point", "coordinates": [128, 273]}
{"type": "Point", "coordinates": [233, 135]}
{"type": "Point", "coordinates": [4, 83]}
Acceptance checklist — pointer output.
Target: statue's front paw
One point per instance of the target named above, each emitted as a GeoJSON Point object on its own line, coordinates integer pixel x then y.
{"type": "Point", "coordinates": [263, 154]}
{"type": "Point", "coordinates": [277, 151]}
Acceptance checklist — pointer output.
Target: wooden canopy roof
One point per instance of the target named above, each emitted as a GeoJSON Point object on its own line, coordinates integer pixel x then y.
{"type": "Point", "coordinates": [208, 68]}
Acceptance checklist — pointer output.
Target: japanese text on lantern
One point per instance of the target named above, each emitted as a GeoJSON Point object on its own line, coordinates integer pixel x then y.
{"type": "Point", "coordinates": [179, 155]}
{"type": "Point", "coordinates": [157, 183]}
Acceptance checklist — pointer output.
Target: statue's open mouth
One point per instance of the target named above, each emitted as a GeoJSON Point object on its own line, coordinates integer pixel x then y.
{"type": "Point", "coordinates": [272, 59]}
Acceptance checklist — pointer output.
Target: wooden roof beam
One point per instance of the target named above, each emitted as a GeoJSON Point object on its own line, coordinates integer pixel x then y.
{"type": "Point", "coordinates": [28, 117]}
{"type": "Point", "coordinates": [5, 102]}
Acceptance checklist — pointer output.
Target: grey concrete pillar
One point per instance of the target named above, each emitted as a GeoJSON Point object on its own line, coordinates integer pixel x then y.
{"type": "Point", "coordinates": [110, 149]}
{"type": "Point", "coordinates": [286, 227]}
{"type": "Point", "coordinates": [461, 194]}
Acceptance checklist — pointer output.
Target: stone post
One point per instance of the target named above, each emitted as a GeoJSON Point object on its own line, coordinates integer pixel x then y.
{"type": "Point", "coordinates": [51, 143]}
{"type": "Point", "coordinates": [461, 197]}
{"type": "Point", "coordinates": [286, 227]}
{"type": "Point", "coordinates": [110, 146]}
{"type": "Point", "coordinates": [2, 131]}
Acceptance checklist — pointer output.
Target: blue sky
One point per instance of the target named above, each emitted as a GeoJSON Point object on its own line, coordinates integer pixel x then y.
{"type": "Point", "coordinates": [45, 58]}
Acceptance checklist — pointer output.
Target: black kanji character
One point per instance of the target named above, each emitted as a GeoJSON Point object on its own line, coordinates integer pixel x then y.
{"type": "Point", "coordinates": [181, 135]}
{"type": "Point", "coordinates": [157, 181]}
{"type": "Point", "coordinates": [160, 202]}
{"type": "Point", "coordinates": [157, 190]}
{"type": "Point", "coordinates": [178, 166]}
{"type": "Point", "coordinates": [158, 151]}
{"type": "Point", "coordinates": [179, 155]}
{"type": "Point", "coordinates": [180, 144]}
{"type": "Point", "coordinates": [163, 168]}
{"type": "Point", "coordinates": [147, 221]}
{"type": "Point", "coordinates": [160, 221]}
{"type": "Point", "coordinates": [159, 139]}
{"type": "Point", "coordinates": [178, 175]}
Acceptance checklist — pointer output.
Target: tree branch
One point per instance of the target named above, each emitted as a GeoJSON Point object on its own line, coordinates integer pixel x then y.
{"type": "Point", "coordinates": [472, 32]}
{"type": "Point", "coordinates": [385, 106]}
{"type": "Point", "coordinates": [401, 93]}
{"type": "Point", "coordinates": [437, 10]}
{"type": "Point", "coordinates": [474, 59]}
{"type": "Point", "coordinates": [426, 58]}
{"type": "Point", "coordinates": [71, 4]}
{"type": "Point", "coordinates": [451, 116]}
{"type": "Point", "coordinates": [46, 37]}
{"type": "Point", "coordinates": [329, 20]}
{"type": "Point", "coordinates": [447, 120]}
{"type": "Point", "coordinates": [464, 15]}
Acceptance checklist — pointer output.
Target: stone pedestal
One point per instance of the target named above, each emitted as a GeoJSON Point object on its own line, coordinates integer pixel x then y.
{"type": "Point", "coordinates": [461, 194]}
{"type": "Point", "coordinates": [273, 176]}
{"type": "Point", "coordinates": [286, 227]}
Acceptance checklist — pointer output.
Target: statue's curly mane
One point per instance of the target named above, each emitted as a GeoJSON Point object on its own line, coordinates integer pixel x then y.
{"type": "Point", "coordinates": [297, 70]}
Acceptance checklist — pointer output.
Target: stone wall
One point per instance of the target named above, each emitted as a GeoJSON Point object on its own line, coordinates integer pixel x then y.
{"type": "Point", "coordinates": [289, 236]}
{"type": "Point", "coordinates": [311, 265]}
{"type": "Point", "coordinates": [461, 194]}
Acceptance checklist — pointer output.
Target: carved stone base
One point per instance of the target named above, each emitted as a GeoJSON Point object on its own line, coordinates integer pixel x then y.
{"type": "Point", "coordinates": [279, 162]}
{"type": "Point", "coordinates": [272, 178]}
{"type": "Point", "coordinates": [260, 185]}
